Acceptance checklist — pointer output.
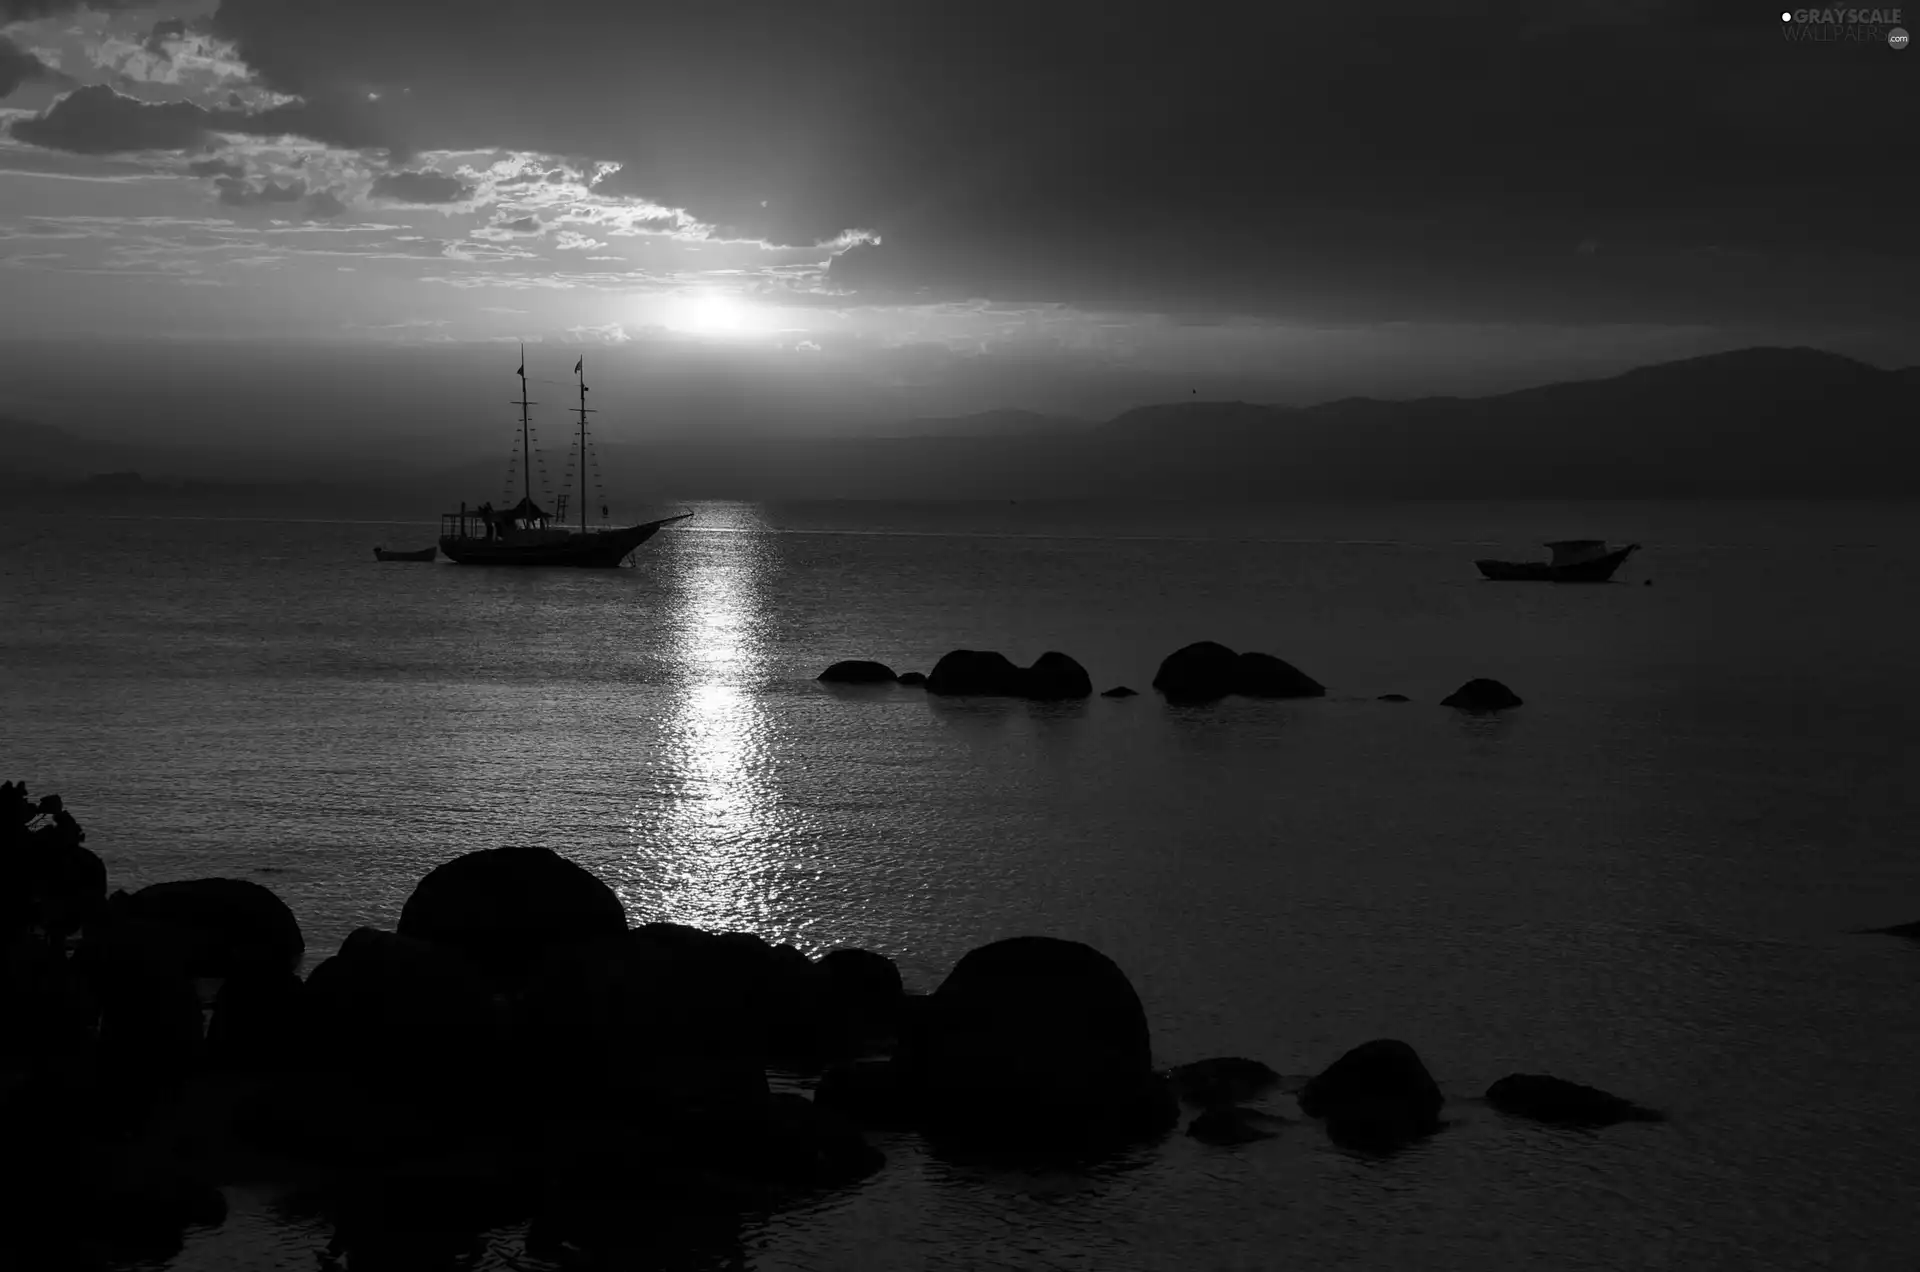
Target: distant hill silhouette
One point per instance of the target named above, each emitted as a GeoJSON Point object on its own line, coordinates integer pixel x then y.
{"type": "Point", "coordinates": [1752, 423]}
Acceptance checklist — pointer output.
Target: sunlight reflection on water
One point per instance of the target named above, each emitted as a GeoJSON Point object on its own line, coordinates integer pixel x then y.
{"type": "Point", "coordinates": [710, 829]}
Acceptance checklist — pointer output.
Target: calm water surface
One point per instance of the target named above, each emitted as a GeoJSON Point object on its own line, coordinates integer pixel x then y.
{"type": "Point", "coordinates": [1642, 879]}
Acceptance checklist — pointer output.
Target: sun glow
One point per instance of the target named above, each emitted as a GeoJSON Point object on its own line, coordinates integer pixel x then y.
{"type": "Point", "coordinates": [711, 313]}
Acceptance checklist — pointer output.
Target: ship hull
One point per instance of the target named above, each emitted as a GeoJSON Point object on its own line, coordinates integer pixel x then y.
{"type": "Point", "coordinates": [1598, 570]}
{"type": "Point", "coordinates": [593, 550]}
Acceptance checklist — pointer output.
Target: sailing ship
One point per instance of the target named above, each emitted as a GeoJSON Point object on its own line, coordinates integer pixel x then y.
{"type": "Point", "coordinates": [1574, 561]}
{"type": "Point", "coordinates": [527, 534]}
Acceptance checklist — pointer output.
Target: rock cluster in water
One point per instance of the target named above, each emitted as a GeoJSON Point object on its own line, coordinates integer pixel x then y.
{"type": "Point", "coordinates": [1204, 671]}
{"type": "Point", "coordinates": [516, 1053]}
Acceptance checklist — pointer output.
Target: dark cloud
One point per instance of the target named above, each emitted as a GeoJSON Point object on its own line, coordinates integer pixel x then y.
{"type": "Point", "coordinates": [245, 194]}
{"type": "Point", "coordinates": [169, 29]}
{"type": "Point", "coordinates": [17, 67]}
{"type": "Point", "coordinates": [216, 168]}
{"type": "Point", "coordinates": [524, 225]}
{"type": "Point", "coordinates": [325, 204]}
{"type": "Point", "coordinates": [420, 187]}
{"type": "Point", "coordinates": [1391, 159]}
{"type": "Point", "coordinates": [96, 120]}
{"type": "Point", "coordinates": [28, 10]}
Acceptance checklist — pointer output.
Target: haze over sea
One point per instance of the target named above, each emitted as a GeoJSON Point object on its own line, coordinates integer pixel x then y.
{"type": "Point", "coordinates": [1645, 878]}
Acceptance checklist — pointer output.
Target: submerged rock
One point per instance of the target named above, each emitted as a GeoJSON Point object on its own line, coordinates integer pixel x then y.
{"type": "Point", "coordinates": [1394, 697]}
{"type": "Point", "coordinates": [1198, 672]}
{"type": "Point", "coordinates": [983, 672]}
{"type": "Point", "coordinates": [1377, 1093]}
{"type": "Point", "coordinates": [1909, 930]}
{"type": "Point", "coordinates": [1264, 676]}
{"type": "Point", "coordinates": [913, 678]}
{"type": "Point", "coordinates": [857, 671]}
{"type": "Point", "coordinates": [505, 908]}
{"type": "Point", "coordinates": [1551, 1099]}
{"type": "Point", "coordinates": [1055, 675]}
{"type": "Point", "coordinates": [987, 673]}
{"type": "Point", "coordinates": [1206, 670]}
{"type": "Point", "coordinates": [1226, 1126]}
{"type": "Point", "coordinates": [1224, 1080]}
{"type": "Point", "coordinates": [1482, 695]}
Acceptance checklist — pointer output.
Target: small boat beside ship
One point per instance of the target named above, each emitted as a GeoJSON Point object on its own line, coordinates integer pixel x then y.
{"type": "Point", "coordinates": [1574, 561]}
{"type": "Point", "coordinates": [527, 534]}
{"type": "Point", "coordinates": [422, 554]}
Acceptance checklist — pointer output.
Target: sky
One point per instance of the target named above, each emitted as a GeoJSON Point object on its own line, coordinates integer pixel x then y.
{"type": "Point", "coordinates": [903, 207]}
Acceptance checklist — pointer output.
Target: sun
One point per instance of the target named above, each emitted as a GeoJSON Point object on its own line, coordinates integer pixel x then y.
{"type": "Point", "coordinates": [712, 313]}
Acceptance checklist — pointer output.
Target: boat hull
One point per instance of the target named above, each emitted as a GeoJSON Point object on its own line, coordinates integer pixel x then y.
{"type": "Point", "coordinates": [593, 550]}
{"type": "Point", "coordinates": [424, 554]}
{"type": "Point", "coordinates": [1598, 570]}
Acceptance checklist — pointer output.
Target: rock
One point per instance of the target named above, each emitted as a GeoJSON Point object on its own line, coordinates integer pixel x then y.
{"type": "Point", "coordinates": [1264, 676]}
{"type": "Point", "coordinates": [1226, 1126]}
{"type": "Point", "coordinates": [1226, 1080]}
{"type": "Point", "coordinates": [684, 1019]}
{"type": "Point", "coordinates": [259, 1022]}
{"type": "Point", "coordinates": [1199, 672]}
{"type": "Point", "coordinates": [224, 925]}
{"type": "Point", "coordinates": [1054, 675]}
{"type": "Point", "coordinates": [976, 672]}
{"type": "Point", "coordinates": [872, 1093]}
{"type": "Point", "coordinates": [1205, 671]}
{"type": "Point", "coordinates": [1119, 691]}
{"type": "Point", "coordinates": [1379, 1092]}
{"type": "Point", "coordinates": [1909, 930]}
{"type": "Point", "coordinates": [1035, 1037]}
{"type": "Point", "coordinates": [506, 908]}
{"type": "Point", "coordinates": [1482, 695]}
{"type": "Point", "coordinates": [391, 1007]}
{"type": "Point", "coordinates": [1550, 1099]}
{"type": "Point", "coordinates": [1394, 697]}
{"type": "Point", "coordinates": [913, 677]}
{"type": "Point", "coordinates": [866, 987]}
{"type": "Point", "coordinates": [857, 671]}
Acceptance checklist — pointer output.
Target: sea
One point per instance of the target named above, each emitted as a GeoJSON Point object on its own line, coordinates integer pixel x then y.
{"type": "Point", "coordinates": [1651, 877]}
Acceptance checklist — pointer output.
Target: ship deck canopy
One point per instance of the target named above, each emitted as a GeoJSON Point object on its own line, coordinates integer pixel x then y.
{"type": "Point", "coordinates": [1574, 551]}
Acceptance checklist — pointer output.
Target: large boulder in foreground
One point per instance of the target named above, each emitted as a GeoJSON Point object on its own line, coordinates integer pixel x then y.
{"type": "Point", "coordinates": [1377, 1093]}
{"type": "Point", "coordinates": [857, 671]}
{"type": "Point", "coordinates": [1482, 695]}
{"type": "Point", "coordinates": [1207, 670]}
{"type": "Point", "coordinates": [506, 908]}
{"type": "Point", "coordinates": [1035, 1037]}
{"type": "Point", "coordinates": [222, 926]}
{"type": "Point", "coordinates": [1551, 1099]}
{"type": "Point", "coordinates": [393, 1007]}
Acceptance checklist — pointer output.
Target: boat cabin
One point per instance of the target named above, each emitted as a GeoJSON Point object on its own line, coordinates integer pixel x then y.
{"type": "Point", "coordinates": [1576, 551]}
{"type": "Point", "coordinates": [525, 522]}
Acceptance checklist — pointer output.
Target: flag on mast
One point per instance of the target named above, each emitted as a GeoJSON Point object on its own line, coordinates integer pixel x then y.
{"type": "Point", "coordinates": [523, 361]}
{"type": "Point", "coordinates": [579, 364]}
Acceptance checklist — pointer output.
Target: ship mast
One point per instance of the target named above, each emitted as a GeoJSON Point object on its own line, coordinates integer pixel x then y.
{"type": "Point", "coordinates": [580, 369]}
{"type": "Point", "coordinates": [526, 459]}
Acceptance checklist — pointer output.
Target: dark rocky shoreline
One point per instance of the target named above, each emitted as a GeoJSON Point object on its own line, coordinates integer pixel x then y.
{"type": "Point", "coordinates": [517, 1053]}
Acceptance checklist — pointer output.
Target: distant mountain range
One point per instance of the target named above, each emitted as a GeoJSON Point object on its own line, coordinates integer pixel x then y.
{"type": "Point", "coordinates": [1756, 422]}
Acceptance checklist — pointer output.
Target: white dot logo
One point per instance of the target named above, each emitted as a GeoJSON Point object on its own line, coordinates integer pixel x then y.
{"type": "Point", "coordinates": [1897, 38]}
{"type": "Point", "coordinates": [1786, 17]}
